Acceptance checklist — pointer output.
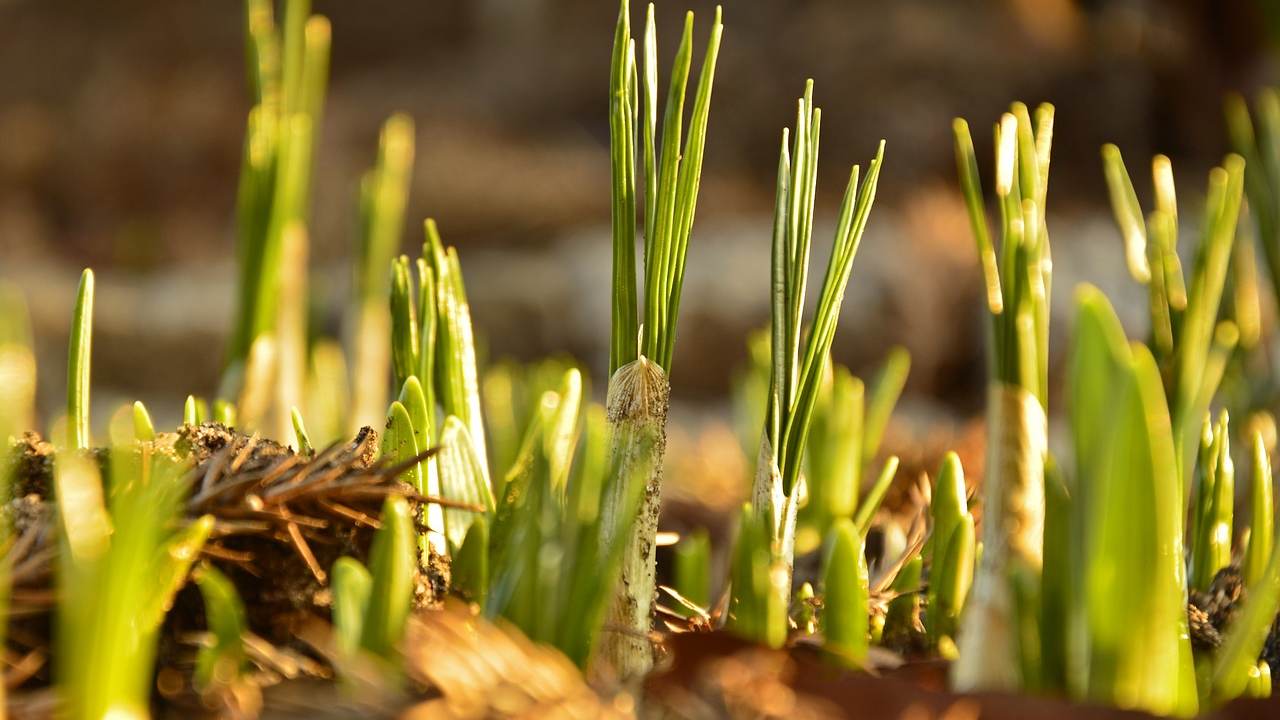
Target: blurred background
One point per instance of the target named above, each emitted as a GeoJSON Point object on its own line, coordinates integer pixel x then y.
{"type": "Point", "coordinates": [121, 127]}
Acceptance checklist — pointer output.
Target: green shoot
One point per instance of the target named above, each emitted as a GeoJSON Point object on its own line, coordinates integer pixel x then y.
{"type": "Point", "coordinates": [796, 366]}
{"type": "Point", "coordinates": [300, 432]}
{"type": "Point", "coordinates": [224, 412]}
{"type": "Point", "coordinates": [219, 664]}
{"type": "Point", "coordinates": [328, 396]}
{"type": "Point", "coordinates": [885, 392]}
{"type": "Point", "coordinates": [869, 506]}
{"type": "Point", "coordinates": [1262, 515]}
{"type": "Point", "coordinates": [462, 480]}
{"type": "Point", "coordinates": [1187, 339]}
{"type": "Point", "coordinates": [393, 566]}
{"type": "Point", "coordinates": [954, 578]}
{"type": "Point", "coordinates": [17, 366]}
{"type": "Point", "coordinates": [190, 411]}
{"type": "Point", "coordinates": [79, 354]}
{"type": "Point", "coordinates": [469, 574]}
{"type": "Point", "coordinates": [846, 595]}
{"type": "Point", "coordinates": [383, 195]}
{"type": "Point", "coordinates": [143, 429]}
{"type": "Point", "coordinates": [693, 568]}
{"type": "Point", "coordinates": [1245, 637]}
{"type": "Point", "coordinates": [951, 556]}
{"type": "Point", "coordinates": [756, 608]}
{"type": "Point", "coordinates": [554, 558]}
{"type": "Point", "coordinates": [835, 454]}
{"type": "Point", "coordinates": [1018, 290]}
{"type": "Point", "coordinates": [1211, 543]}
{"type": "Point", "coordinates": [351, 585]}
{"type": "Point", "coordinates": [642, 341]}
{"type": "Point", "coordinates": [119, 567]}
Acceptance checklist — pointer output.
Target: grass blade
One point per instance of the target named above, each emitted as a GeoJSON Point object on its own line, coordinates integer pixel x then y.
{"type": "Point", "coordinates": [79, 355]}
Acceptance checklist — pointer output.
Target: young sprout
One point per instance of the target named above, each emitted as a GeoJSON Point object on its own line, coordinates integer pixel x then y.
{"type": "Point", "coordinates": [393, 566]}
{"type": "Point", "coordinates": [693, 568]}
{"type": "Point", "coordinates": [351, 585]}
{"type": "Point", "coordinates": [1018, 290]}
{"type": "Point", "coordinates": [224, 412]}
{"type": "Point", "coordinates": [835, 456]}
{"type": "Point", "coordinates": [903, 614]}
{"type": "Point", "coordinates": [1214, 507]}
{"type": "Point", "coordinates": [798, 358]}
{"type": "Point", "coordinates": [79, 355]}
{"type": "Point", "coordinates": [642, 339]}
{"type": "Point", "coordinates": [756, 608]}
{"type": "Point", "coordinates": [1190, 344]}
{"type": "Point", "coordinates": [846, 600]}
{"type": "Point", "coordinates": [384, 193]}
{"type": "Point", "coordinates": [190, 411]}
{"type": "Point", "coordinates": [469, 573]}
{"type": "Point", "coordinates": [1246, 635]}
{"type": "Point", "coordinates": [121, 565]}
{"type": "Point", "coordinates": [951, 557]}
{"type": "Point", "coordinates": [143, 429]}
{"type": "Point", "coordinates": [867, 511]}
{"type": "Point", "coordinates": [553, 557]}
{"type": "Point", "coordinates": [1261, 513]}
{"type": "Point", "coordinates": [218, 665]}
{"type": "Point", "coordinates": [950, 580]}
{"type": "Point", "coordinates": [300, 432]}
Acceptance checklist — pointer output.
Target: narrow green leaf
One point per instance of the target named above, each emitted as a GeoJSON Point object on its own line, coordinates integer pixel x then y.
{"type": "Point", "coordinates": [1128, 213]}
{"type": "Point", "coordinates": [1261, 513]}
{"type": "Point", "coordinates": [884, 396]}
{"type": "Point", "coordinates": [79, 354]}
{"type": "Point", "coordinates": [869, 506]}
{"type": "Point", "coordinates": [393, 566]}
{"type": "Point", "coordinates": [219, 664]}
